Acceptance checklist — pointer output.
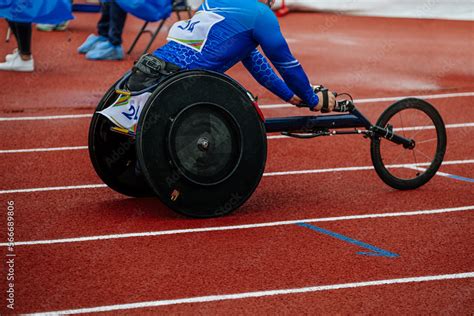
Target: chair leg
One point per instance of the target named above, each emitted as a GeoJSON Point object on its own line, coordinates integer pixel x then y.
{"type": "Point", "coordinates": [190, 13]}
{"type": "Point", "coordinates": [139, 35]}
{"type": "Point", "coordinates": [154, 36]}
{"type": "Point", "coordinates": [178, 15]}
{"type": "Point", "coordinates": [9, 33]}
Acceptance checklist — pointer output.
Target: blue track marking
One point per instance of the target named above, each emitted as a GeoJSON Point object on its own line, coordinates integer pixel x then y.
{"type": "Point", "coordinates": [448, 175]}
{"type": "Point", "coordinates": [375, 251]}
{"type": "Point", "coordinates": [455, 177]}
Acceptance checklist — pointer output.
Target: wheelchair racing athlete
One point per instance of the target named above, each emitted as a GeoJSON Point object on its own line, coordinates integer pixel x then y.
{"type": "Point", "coordinates": [224, 32]}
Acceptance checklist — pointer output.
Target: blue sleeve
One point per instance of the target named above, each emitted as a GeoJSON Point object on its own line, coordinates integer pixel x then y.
{"type": "Point", "coordinates": [261, 70]}
{"type": "Point", "coordinates": [268, 34]}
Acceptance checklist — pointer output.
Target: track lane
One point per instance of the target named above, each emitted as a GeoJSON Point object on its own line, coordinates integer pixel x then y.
{"type": "Point", "coordinates": [249, 260]}
{"type": "Point", "coordinates": [47, 134]}
{"type": "Point", "coordinates": [65, 168]}
{"type": "Point", "coordinates": [74, 132]}
{"type": "Point", "coordinates": [42, 134]}
{"type": "Point", "coordinates": [357, 71]}
{"type": "Point", "coordinates": [459, 170]}
{"type": "Point", "coordinates": [70, 212]}
{"type": "Point", "coordinates": [381, 69]}
{"type": "Point", "coordinates": [450, 297]}
{"type": "Point", "coordinates": [76, 213]}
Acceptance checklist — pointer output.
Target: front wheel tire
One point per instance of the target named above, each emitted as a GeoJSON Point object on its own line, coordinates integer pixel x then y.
{"type": "Point", "coordinates": [408, 169]}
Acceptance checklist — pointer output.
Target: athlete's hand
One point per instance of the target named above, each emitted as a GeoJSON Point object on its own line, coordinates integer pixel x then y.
{"type": "Point", "coordinates": [331, 101]}
{"type": "Point", "coordinates": [296, 100]}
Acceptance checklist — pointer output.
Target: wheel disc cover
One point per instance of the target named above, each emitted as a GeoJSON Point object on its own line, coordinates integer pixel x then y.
{"type": "Point", "coordinates": [201, 144]}
{"type": "Point", "coordinates": [204, 144]}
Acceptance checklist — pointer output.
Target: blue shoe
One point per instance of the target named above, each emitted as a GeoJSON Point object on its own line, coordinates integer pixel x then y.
{"type": "Point", "coordinates": [107, 51]}
{"type": "Point", "coordinates": [102, 45]}
{"type": "Point", "coordinates": [91, 42]}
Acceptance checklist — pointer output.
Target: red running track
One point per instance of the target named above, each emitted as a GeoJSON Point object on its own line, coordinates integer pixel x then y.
{"type": "Point", "coordinates": [366, 56]}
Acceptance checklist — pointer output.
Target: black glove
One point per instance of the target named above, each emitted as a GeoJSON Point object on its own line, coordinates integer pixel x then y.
{"type": "Point", "coordinates": [325, 93]}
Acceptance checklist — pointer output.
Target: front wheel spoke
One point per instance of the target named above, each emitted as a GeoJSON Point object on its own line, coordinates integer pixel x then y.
{"type": "Point", "coordinates": [426, 141]}
{"type": "Point", "coordinates": [417, 132]}
{"type": "Point", "coordinates": [419, 171]}
{"type": "Point", "coordinates": [428, 119]}
{"type": "Point", "coordinates": [396, 159]}
{"type": "Point", "coordinates": [403, 125]}
{"type": "Point", "coordinates": [414, 157]}
{"type": "Point", "coordinates": [423, 154]}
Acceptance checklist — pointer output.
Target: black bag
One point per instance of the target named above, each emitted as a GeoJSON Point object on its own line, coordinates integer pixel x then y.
{"type": "Point", "coordinates": [148, 71]}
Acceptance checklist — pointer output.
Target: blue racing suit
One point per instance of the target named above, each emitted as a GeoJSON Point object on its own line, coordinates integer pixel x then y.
{"type": "Point", "coordinates": [225, 32]}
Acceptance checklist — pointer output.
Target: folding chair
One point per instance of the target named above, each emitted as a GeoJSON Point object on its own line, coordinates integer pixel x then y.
{"type": "Point", "coordinates": [179, 6]}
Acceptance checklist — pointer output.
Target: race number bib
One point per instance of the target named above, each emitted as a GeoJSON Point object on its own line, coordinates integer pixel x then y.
{"type": "Point", "coordinates": [194, 33]}
{"type": "Point", "coordinates": [126, 110]}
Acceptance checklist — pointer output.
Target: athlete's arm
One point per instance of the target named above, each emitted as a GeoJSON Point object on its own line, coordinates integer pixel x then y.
{"type": "Point", "coordinates": [261, 70]}
{"type": "Point", "coordinates": [268, 34]}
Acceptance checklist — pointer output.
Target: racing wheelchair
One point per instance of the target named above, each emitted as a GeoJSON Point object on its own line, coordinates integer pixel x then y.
{"type": "Point", "coordinates": [200, 144]}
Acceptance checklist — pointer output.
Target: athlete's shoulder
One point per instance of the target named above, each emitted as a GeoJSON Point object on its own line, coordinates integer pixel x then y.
{"type": "Point", "coordinates": [239, 13]}
{"type": "Point", "coordinates": [265, 13]}
{"type": "Point", "coordinates": [262, 7]}
{"type": "Point", "coordinates": [265, 19]}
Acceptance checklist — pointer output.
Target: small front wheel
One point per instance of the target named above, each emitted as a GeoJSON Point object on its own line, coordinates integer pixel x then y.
{"type": "Point", "coordinates": [409, 168]}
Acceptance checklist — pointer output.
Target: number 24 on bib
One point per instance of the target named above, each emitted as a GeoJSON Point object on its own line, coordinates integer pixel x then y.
{"type": "Point", "coordinates": [194, 33]}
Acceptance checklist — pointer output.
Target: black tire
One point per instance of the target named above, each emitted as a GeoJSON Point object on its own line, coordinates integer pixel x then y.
{"type": "Point", "coordinates": [430, 168]}
{"type": "Point", "coordinates": [114, 155]}
{"type": "Point", "coordinates": [193, 180]}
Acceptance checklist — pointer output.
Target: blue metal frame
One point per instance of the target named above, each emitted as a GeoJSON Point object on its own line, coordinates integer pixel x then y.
{"type": "Point", "coordinates": [320, 125]}
{"type": "Point", "coordinates": [302, 124]}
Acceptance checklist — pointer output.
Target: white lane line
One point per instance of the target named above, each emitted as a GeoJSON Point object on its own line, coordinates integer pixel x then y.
{"type": "Point", "coordinates": [267, 293]}
{"type": "Point", "coordinates": [414, 128]}
{"type": "Point", "coordinates": [296, 172]}
{"type": "Point", "coordinates": [33, 150]}
{"type": "Point", "coordinates": [430, 127]}
{"type": "Point", "coordinates": [238, 227]}
{"type": "Point", "coordinates": [426, 97]}
{"type": "Point", "coordinates": [44, 118]}
{"type": "Point", "coordinates": [269, 174]}
{"type": "Point", "coordinates": [388, 99]}
{"type": "Point", "coordinates": [71, 187]}
{"type": "Point", "coordinates": [345, 169]}
{"type": "Point", "coordinates": [269, 106]}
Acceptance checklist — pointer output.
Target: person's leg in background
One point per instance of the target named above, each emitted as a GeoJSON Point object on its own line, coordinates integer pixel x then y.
{"type": "Point", "coordinates": [104, 22]}
{"type": "Point", "coordinates": [112, 49]}
{"type": "Point", "coordinates": [117, 23]}
{"type": "Point", "coordinates": [12, 27]}
{"type": "Point", "coordinates": [102, 30]}
{"type": "Point", "coordinates": [21, 59]}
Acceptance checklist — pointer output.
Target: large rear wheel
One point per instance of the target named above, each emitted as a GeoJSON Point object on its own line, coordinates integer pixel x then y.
{"type": "Point", "coordinates": [113, 155]}
{"type": "Point", "coordinates": [201, 144]}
